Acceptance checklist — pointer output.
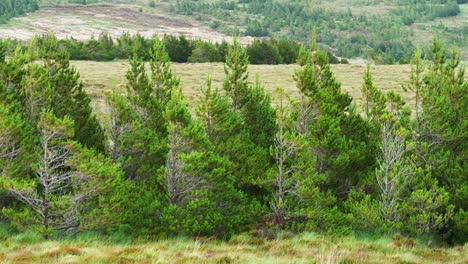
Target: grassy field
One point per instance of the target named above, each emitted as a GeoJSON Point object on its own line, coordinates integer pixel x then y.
{"type": "Point", "coordinates": [99, 77]}
{"type": "Point", "coordinates": [305, 248]}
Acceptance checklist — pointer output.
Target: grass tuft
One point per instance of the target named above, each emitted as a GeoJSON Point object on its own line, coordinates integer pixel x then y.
{"type": "Point", "coordinates": [26, 238]}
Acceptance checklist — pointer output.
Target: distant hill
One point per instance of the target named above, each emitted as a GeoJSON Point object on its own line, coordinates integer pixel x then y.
{"type": "Point", "coordinates": [386, 31]}
{"type": "Point", "coordinates": [383, 29]}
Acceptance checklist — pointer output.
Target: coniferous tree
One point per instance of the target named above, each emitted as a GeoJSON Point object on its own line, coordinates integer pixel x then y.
{"type": "Point", "coordinates": [439, 136]}
{"type": "Point", "coordinates": [17, 142]}
{"type": "Point", "coordinates": [145, 146]}
{"type": "Point", "coordinates": [240, 125]}
{"type": "Point", "coordinates": [338, 135]}
{"type": "Point", "coordinates": [52, 84]}
{"type": "Point", "coordinates": [337, 154]}
{"type": "Point", "coordinates": [286, 146]}
{"type": "Point", "coordinates": [200, 187]}
{"type": "Point", "coordinates": [67, 180]}
{"type": "Point", "coordinates": [236, 73]}
{"type": "Point", "coordinates": [52, 200]}
{"type": "Point", "coordinates": [69, 97]}
{"type": "Point", "coordinates": [374, 101]}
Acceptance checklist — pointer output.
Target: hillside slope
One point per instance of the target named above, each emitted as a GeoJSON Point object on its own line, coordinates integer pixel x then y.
{"type": "Point", "coordinates": [384, 30]}
{"type": "Point", "coordinates": [85, 21]}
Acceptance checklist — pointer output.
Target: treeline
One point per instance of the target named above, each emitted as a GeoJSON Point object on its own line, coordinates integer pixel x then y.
{"type": "Point", "coordinates": [238, 163]}
{"type": "Point", "coordinates": [180, 49]}
{"type": "Point", "coordinates": [14, 8]}
{"type": "Point", "coordinates": [385, 37]}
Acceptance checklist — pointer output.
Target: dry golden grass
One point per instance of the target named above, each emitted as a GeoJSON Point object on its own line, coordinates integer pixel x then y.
{"type": "Point", "coordinates": [99, 77]}
{"type": "Point", "coordinates": [306, 248]}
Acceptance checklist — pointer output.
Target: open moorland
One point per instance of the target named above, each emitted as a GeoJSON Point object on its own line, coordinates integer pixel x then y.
{"type": "Point", "coordinates": [306, 248]}
{"type": "Point", "coordinates": [99, 77]}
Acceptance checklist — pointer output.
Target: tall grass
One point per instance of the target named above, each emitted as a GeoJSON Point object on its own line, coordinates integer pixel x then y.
{"type": "Point", "coordinates": [90, 247]}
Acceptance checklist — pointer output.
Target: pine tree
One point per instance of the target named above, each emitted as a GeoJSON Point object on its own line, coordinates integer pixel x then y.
{"type": "Point", "coordinates": [200, 188]}
{"type": "Point", "coordinates": [47, 197]}
{"type": "Point", "coordinates": [102, 180]}
{"type": "Point", "coordinates": [70, 183]}
{"type": "Point", "coordinates": [17, 142]}
{"type": "Point", "coordinates": [374, 101]}
{"type": "Point", "coordinates": [163, 80]}
{"type": "Point", "coordinates": [181, 141]}
{"type": "Point", "coordinates": [235, 125]}
{"type": "Point", "coordinates": [393, 174]}
{"type": "Point", "coordinates": [439, 139]}
{"type": "Point", "coordinates": [67, 94]}
{"type": "Point", "coordinates": [338, 137]}
{"type": "Point", "coordinates": [286, 146]}
{"type": "Point", "coordinates": [121, 121]}
{"type": "Point", "coordinates": [143, 147]}
{"type": "Point", "coordinates": [259, 115]}
{"type": "Point", "coordinates": [138, 87]}
{"type": "Point", "coordinates": [416, 85]}
{"type": "Point", "coordinates": [236, 73]}
{"type": "Point", "coordinates": [205, 110]}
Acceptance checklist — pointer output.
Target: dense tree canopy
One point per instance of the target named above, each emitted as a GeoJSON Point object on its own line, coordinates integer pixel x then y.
{"type": "Point", "coordinates": [237, 162]}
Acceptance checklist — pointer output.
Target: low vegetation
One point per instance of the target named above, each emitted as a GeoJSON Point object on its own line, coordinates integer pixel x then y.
{"type": "Point", "coordinates": [305, 248]}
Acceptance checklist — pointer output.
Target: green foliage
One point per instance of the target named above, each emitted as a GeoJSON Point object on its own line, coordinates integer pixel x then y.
{"type": "Point", "coordinates": [51, 84]}
{"type": "Point", "coordinates": [69, 97]}
{"type": "Point", "coordinates": [260, 52]}
{"type": "Point", "coordinates": [204, 52]}
{"type": "Point", "coordinates": [200, 187]}
{"type": "Point", "coordinates": [180, 49]}
{"type": "Point", "coordinates": [459, 229]}
{"type": "Point", "coordinates": [439, 141]}
{"type": "Point", "coordinates": [383, 36]}
{"type": "Point", "coordinates": [339, 137]}
{"type": "Point", "coordinates": [374, 99]}
{"type": "Point", "coordinates": [241, 162]}
{"type": "Point", "coordinates": [102, 205]}
{"type": "Point", "coordinates": [14, 8]}
{"type": "Point", "coordinates": [235, 85]}
{"type": "Point", "coordinates": [16, 144]}
{"type": "Point", "coordinates": [45, 175]}
{"type": "Point", "coordinates": [364, 211]}
{"type": "Point", "coordinates": [138, 125]}
{"type": "Point", "coordinates": [419, 11]}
